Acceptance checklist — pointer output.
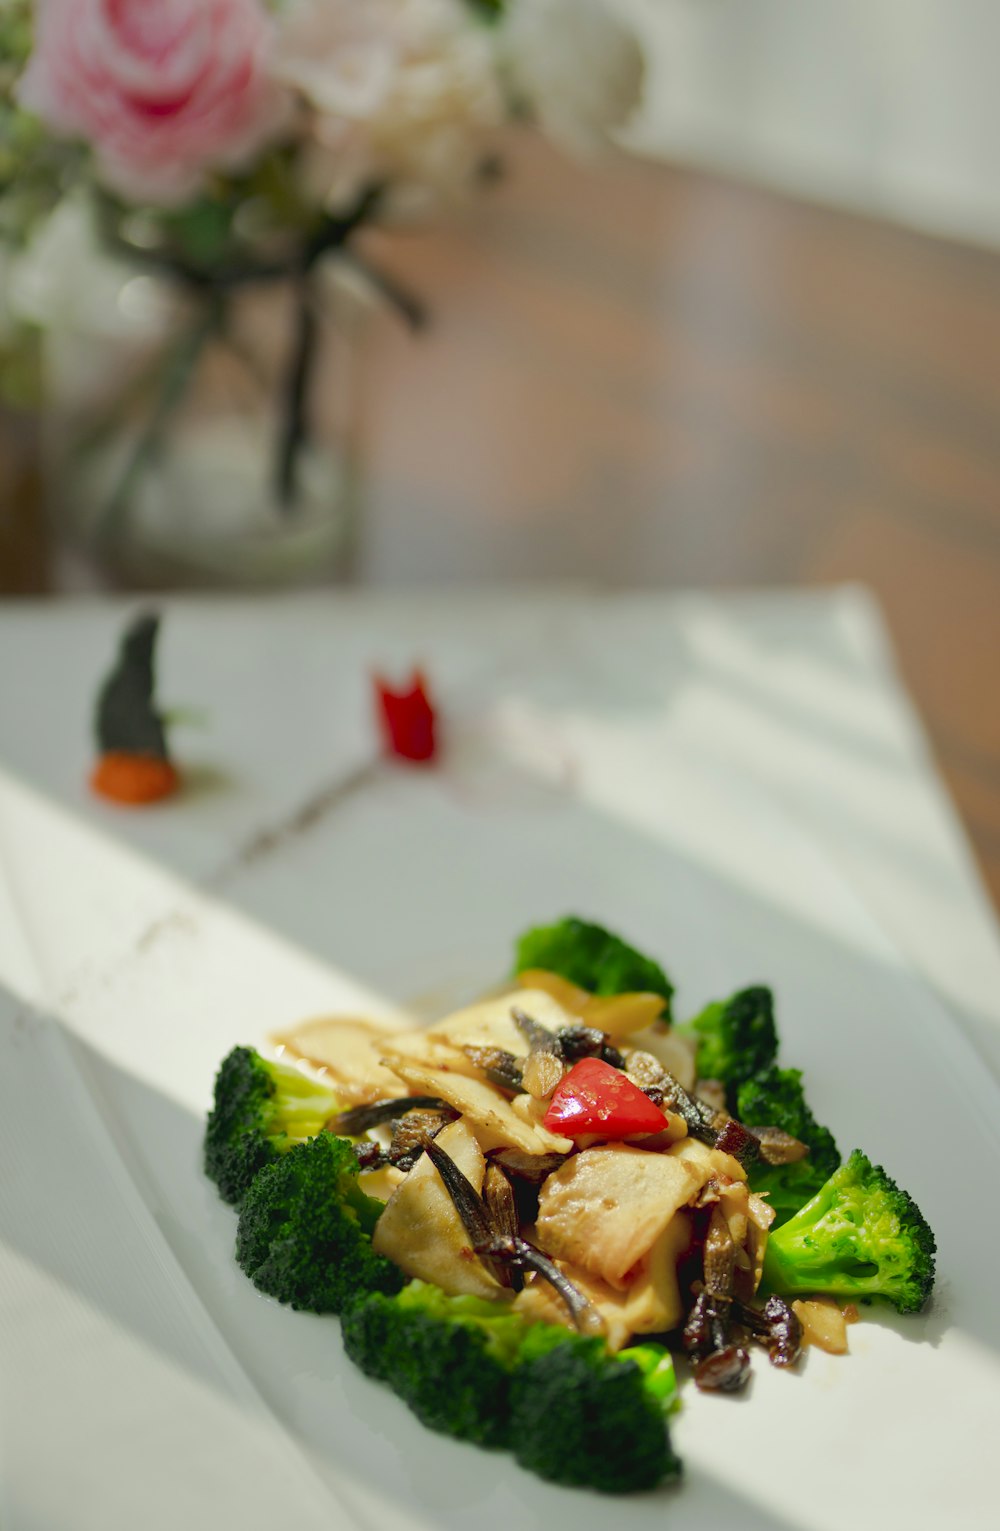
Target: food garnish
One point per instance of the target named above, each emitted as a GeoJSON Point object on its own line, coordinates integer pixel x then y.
{"type": "Point", "coordinates": [555, 1204]}
{"type": "Point", "coordinates": [262, 1109]}
{"type": "Point", "coordinates": [407, 719]}
{"type": "Point", "coordinates": [133, 766]}
{"type": "Point", "coordinates": [593, 959]}
{"type": "Point", "coordinates": [735, 1038]}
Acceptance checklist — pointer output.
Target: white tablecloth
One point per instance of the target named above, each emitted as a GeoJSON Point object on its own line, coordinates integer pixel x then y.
{"type": "Point", "coordinates": [793, 696]}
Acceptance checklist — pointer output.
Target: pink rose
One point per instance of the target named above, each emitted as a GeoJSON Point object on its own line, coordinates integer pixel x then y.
{"type": "Point", "coordinates": [162, 90]}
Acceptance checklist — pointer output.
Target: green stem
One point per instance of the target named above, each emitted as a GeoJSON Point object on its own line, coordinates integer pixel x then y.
{"type": "Point", "coordinates": [295, 422]}
{"type": "Point", "coordinates": [175, 380]}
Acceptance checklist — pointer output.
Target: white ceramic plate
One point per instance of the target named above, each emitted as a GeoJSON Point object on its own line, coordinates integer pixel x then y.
{"type": "Point", "coordinates": [907, 1420]}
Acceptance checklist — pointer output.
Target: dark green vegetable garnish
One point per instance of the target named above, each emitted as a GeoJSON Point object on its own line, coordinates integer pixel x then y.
{"type": "Point", "coordinates": [475, 1370]}
{"type": "Point", "coordinates": [586, 1419]}
{"type": "Point", "coordinates": [774, 1098]}
{"type": "Point", "coordinates": [126, 719]}
{"type": "Point", "coordinates": [735, 1037]}
{"type": "Point", "coordinates": [305, 1228]}
{"type": "Point", "coordinates": [261, 1110]}
{"type": "Point", "coordinates": [593, 959]}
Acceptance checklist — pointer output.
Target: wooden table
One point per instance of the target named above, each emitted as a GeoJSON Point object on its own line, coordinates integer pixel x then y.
{"type": "Point", "coordinates": [651, 376]}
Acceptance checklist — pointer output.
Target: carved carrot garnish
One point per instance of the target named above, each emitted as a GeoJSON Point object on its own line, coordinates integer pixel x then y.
{"type": "Point", "coordinates": [133, 766]}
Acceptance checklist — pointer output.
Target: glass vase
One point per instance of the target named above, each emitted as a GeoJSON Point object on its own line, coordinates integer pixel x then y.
{"type": "Point", "coordinates": [208, 437]}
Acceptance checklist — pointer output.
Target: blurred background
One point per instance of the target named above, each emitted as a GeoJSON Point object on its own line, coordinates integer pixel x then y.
{"type": "Point", "coordinates": [751, 342]}
{"type": "Point", "coordinates": [887, 107]}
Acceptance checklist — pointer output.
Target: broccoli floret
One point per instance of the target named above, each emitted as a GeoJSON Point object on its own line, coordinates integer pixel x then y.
{"type": "Point", "coordinates": [586, 1419]}
{"type": "Point", "coordinates": [593, 959]}
{"type": "Point", "coordinates": [659, 1376]}
{"type": "Point", "coordinates": [304, 1234]}
{"type": "Point", "coordinates": [735, 1037]}
{"type": "Point", "coordinates": [860, 1237]}
{"type": "Point", "coordinates": [448, 1358]}
{"type": "Point", "coordinates": [774, 1098]}
{"type": "Point", "coordinates": [480, 1372]}
{"type": "Point", "coordinates": [261, 1110]}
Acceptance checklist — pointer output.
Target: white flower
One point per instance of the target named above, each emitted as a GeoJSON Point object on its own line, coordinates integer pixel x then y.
{"type": "Point", "coordinates": [404, 90]}
{"type": "Point", "coordinates": [578, 68]}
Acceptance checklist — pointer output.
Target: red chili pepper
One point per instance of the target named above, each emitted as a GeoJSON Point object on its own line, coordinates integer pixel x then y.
{"type": "Point", "coordinates": [407, 719]}
{"type": "Point", "coordinates": [598, 1099]}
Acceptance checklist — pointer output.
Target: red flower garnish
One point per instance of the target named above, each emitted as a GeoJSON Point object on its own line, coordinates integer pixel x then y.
{"type": "Point", "coordinates": [407, 720]}
{"type": "Point", "coordinates": [596, 1098]}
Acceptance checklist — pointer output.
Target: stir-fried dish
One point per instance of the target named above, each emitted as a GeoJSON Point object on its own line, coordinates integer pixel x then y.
{"type": "Point", "coordinates": [524, 1212]}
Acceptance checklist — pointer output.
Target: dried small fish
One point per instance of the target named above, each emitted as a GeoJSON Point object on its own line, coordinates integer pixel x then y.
{"type": "Point", "coordinates": [578, 1042]}
{"type": "Point", "coordinates": [724, 1371]}
{"type": "Point", "coordinates": [498, 1195]}
{"type": "Point", "coordinates": [499, 1250]}
{"type": "Point", "coordinates": [777, 1327]}
{"type": "Point", "coordinates": [500, 1067]}
{"type": "Point", "coordinates": [534, 1168]}
{"type": "Point", "coordinates": [350, 1124]}
{"type": "Point", "coordinates": [720, 1365]}
{"type": "Point", "coordinates": [409, 1130]}
{"type": "Point", "coordinates": [778, 1146]}
{"type": "Point", "coordinates": [701, 1120]}
{"type": "Point", "coordinates": [720, 1255]}
{"type": "Point", "coordinates": [539, 1038]}
{"type": "Point", "coordinates": [733, 1138]}
{"type": "Point", "coordinates": [713, 1093]}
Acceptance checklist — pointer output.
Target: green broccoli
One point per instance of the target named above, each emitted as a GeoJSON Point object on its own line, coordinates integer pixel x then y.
{"type": "Point", "coordinates": [593, 959]}
{"type": "Point", "coordinates": [587, 1419]}
{"type": "Point", "coordinates": [774, 1098]}
{"type": "Point", "coordinates": [304, 1234]}
{"type": "Point", "coordinates": [448, 1358]}
{"type": "Point", "coordinates": [261, 1110]}
{"type": "Point", "coordinates": [859, 1237]}
{"type": "Point", "coordinates": [735, 1037]}
{"type": "Point", "coordinates": [659, 1376]}
{"type": "Point", "coordinates": [480, 1372]}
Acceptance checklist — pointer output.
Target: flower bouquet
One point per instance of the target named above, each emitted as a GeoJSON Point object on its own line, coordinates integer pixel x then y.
{"type": "Point", "coordinates": [181, 184]}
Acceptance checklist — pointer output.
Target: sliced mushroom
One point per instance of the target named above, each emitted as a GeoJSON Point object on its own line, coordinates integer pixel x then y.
{"type": "Point", "coordinates": [823, 1325]}
{"type": "Point", "coordinates": [606, 1207]}
{"type": "Point", "coordinates": [674, 1052]}
{"type": "Point", "coordinates": [349, 1051]}
{"type": "Point", "coordinates": [382, 1182]}
{"type": "Point", "coordinates": [650, 1304]}
{"type": "Point", "coordinates": [618, 1014]}
{"type": "Point", "coordinates": [431, 1052]}
{"type": "Point", "coordinates": [420, 1229]}
{"type": "Point", "coordinates": [541, 1074]}
{"type": "Point", "coordinates": [491, 1023]}
{"type": "Point", "coordinates": [712, 1160]}
{"type": "Point", "coordinates": [760, 1216]}
{"type": "Point", "coordinates": [490, 1114]}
